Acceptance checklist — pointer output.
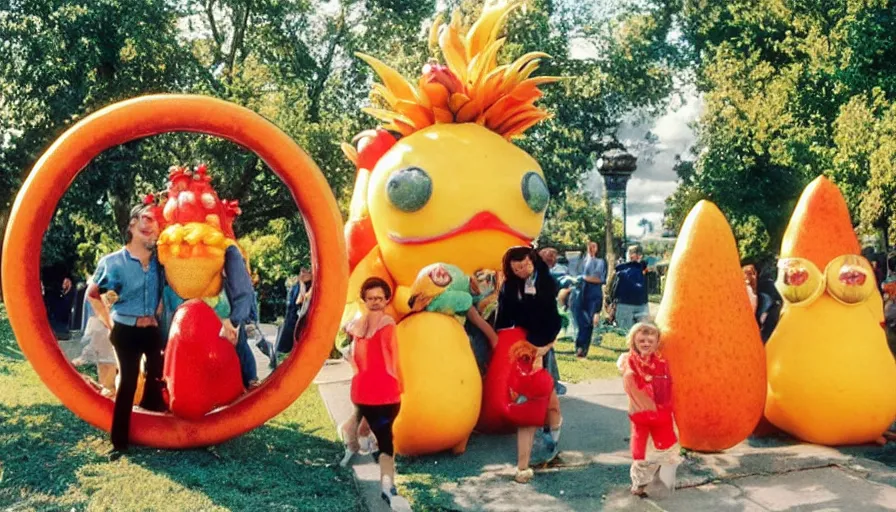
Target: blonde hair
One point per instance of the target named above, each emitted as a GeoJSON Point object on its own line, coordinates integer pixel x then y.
{"type": "Point", "coordinates": [645, 327]}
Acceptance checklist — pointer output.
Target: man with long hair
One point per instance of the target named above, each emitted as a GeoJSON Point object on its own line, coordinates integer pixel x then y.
{"type": "Point", "coordinates": [134, 274]}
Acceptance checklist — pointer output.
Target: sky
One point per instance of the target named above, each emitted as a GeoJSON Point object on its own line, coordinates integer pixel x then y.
{"type": "Point", "coordinates": [654, 179]}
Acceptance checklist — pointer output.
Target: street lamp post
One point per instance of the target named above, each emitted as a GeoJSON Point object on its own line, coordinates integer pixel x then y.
{"type": "Point", "coordinates": [616, 166]}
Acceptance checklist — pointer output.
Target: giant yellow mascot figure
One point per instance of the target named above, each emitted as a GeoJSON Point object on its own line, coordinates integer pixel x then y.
{"type": "Point", "coordinates": [831, 376]}
{"type": "Point", "coordinates": [440, 182]}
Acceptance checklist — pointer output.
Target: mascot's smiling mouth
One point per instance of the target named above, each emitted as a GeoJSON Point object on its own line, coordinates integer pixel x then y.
{"type": "Point", "coordinates": [482, 221]}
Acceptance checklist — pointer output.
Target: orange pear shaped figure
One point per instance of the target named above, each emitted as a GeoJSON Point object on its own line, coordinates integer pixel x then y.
{"type": "Point", "coordinates": [831, 376]}
{"type": "Point", "coordinates": [710, 336]}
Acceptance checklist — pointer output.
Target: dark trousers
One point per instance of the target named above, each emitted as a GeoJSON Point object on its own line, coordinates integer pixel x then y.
{"type": "Point", "coordinates": [131, 343]}
{"type": "Point", "coordinates": [248, 368]}
{"type": "Point", "coordinates": [591, 298]}
{"type": "Point", "coordinates": [380, 418]}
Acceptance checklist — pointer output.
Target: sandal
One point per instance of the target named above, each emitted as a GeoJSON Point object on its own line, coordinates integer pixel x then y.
{"type": "Point", "coordinates": [523, 476]}
{"type": "Point", "coordinates": [639, 491]}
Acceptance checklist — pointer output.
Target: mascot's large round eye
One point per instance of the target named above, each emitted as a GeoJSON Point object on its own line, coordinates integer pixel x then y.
{"type": "Point", "coordinates": [409, 189]}
{"type": "Point", "coordinates": [535, 192]}
{"type": "Point", "coordinates": [799, 281]}
{"type": "Point", "coordinates": [850, 279]}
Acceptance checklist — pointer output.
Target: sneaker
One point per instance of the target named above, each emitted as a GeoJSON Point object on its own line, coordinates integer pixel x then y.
{"type": "Point", "coordinates": [395, 501]}
{"type": "Point", "coordinates": [551, 444]}
{"type": "Point", "coordinates": [559, 388]}
{"type": "Point", "coordinates": [523, 476]}
{"type": "Point", "coordinates": [347, 457]}
{"type": "Point", "coordinates": [116, 453]}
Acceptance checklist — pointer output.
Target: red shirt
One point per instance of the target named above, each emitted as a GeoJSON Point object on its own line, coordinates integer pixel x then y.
{"type": "Point", "coordinates": [376, 359]}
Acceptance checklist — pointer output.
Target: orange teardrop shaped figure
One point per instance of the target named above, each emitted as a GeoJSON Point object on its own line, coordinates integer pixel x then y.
{"type": "Point", "coordinates": [710, 336]}
{"type": "Point", "coordinates": [831, 376]}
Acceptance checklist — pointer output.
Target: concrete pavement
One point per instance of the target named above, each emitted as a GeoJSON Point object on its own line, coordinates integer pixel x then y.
{"type": "Point", "coordinates": [757, 475]}
{"type": "Point", "coordinates": [767, 474]}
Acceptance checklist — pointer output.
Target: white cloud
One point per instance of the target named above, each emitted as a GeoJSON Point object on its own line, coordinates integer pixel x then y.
{"type": "Point", "coordinates": [654, 180]}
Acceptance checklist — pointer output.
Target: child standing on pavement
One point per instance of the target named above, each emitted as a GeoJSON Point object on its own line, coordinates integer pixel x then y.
{"type": "Point", "coordinates": [648, 385]}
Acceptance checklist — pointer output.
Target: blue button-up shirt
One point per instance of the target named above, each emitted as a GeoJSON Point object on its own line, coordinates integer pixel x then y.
{"type": "Point", "coordinates": [139, 291]}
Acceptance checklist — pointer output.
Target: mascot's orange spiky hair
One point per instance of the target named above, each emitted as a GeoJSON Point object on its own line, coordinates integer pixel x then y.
{"type": "Point", "coordinates": [471, 88]}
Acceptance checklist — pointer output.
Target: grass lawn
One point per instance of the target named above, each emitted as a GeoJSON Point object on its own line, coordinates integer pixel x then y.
{"type": "Point", "coordinates": [600, 363]}
{"type": "Point", "coordinates": [52, 460]}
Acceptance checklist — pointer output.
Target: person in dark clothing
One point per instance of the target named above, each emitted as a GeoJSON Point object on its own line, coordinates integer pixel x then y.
{"type": "Point", "coordinates": [297, 303]}
{"type": "Point", "coordinates": [528, 300]}
{"type": "Point", "coordinates": [61, 310]}
{"type": "Point", "coordinates": [629, 290]}
{"type": "Point", "coordinates": [768, 307]}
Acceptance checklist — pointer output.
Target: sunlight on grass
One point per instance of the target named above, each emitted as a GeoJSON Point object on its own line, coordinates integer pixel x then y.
{"type": "Point", "coordinates": [52, 460]}
{"type": "Point", "coordinates": [600, 363]}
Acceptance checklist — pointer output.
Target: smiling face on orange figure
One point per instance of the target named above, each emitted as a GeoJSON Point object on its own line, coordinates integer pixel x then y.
{"type": "Point", "coordinates": [454, 193]}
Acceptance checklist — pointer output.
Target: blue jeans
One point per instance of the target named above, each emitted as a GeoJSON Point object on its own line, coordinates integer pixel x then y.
{"type": "Point", "coordinates": [628, 315]}
{"type": "Point", "coordinates": [591, 298]}
{"type": "Point", "coordinates": [550, 364]}
{"type": "Point", "coordinates": [248, 370]}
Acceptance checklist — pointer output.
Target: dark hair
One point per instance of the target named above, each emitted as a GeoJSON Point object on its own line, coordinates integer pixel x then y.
{"type": "Point", "coordinates": [375, 282]}
{"type": "Point", "coordinates": [519, 253]}
{"type": "Point", "coordinates": [136, 213]}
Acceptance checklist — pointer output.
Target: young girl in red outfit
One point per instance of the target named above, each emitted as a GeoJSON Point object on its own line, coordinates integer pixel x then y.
{"type": "Point", "coordinates": [649, 388]}
{"type": "Point", "coordinates": [376, 387]}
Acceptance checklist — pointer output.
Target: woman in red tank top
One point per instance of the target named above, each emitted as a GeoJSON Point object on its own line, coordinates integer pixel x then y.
{"type": "Point", "coordinates": [376, 386]}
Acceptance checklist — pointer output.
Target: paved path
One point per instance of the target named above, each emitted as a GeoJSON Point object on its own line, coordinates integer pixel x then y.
{"type": "Point", "coordinates": [757, 475]}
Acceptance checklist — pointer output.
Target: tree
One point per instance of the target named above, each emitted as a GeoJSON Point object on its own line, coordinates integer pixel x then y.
{"type": "Point", "coordinates": [292, 61]}
{"type": "Point", "coordinates": [570, 224]}
{"type": "Point", "coordinates": [775, 76]}
{"type": "Point", "coordinates": [62, 60]}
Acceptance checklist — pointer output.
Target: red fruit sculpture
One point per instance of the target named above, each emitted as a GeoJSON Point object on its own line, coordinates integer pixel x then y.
{"type": "Point", "coordinates": [202, 370]}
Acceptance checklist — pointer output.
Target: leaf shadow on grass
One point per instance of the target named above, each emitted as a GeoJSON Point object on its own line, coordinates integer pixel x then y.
{"type": "Point", "coordinates": [278, 466]}
{"type": "Point", "coordinates": [40, 452]}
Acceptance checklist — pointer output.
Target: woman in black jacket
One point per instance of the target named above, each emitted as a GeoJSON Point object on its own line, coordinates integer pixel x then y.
{"type": "Point", "coordinates": [528, 300]}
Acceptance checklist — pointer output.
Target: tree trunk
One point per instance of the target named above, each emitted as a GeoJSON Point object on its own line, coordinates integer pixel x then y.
{"type": "Point", "coordinates": [121, 211]}
{"type": "Point", "coordinates": [324, 71]}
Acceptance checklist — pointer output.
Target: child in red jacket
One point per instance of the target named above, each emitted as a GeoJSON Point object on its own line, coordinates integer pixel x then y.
{"type": "Point", "coordinates": [649, 388]}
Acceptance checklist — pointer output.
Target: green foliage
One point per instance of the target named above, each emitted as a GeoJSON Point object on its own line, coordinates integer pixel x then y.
{"type": "Point", "coordinates": [53, 460]}
{"type": "Point", "coordinates": [752, 239]}
{"type": "Point", "coordinates": [575, 220]}
{"type": "Point", "coordinates": [293, 62]}
{"type": "Point", "coordinates": [276, 253]}
{"type": "Point", "coordinates": [780, 82]}
{"type": "Point", "coordinates": [864, 135]}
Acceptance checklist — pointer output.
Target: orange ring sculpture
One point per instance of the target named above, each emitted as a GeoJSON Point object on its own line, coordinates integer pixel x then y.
{"type": "Point", "coordinates": [143, 117]}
